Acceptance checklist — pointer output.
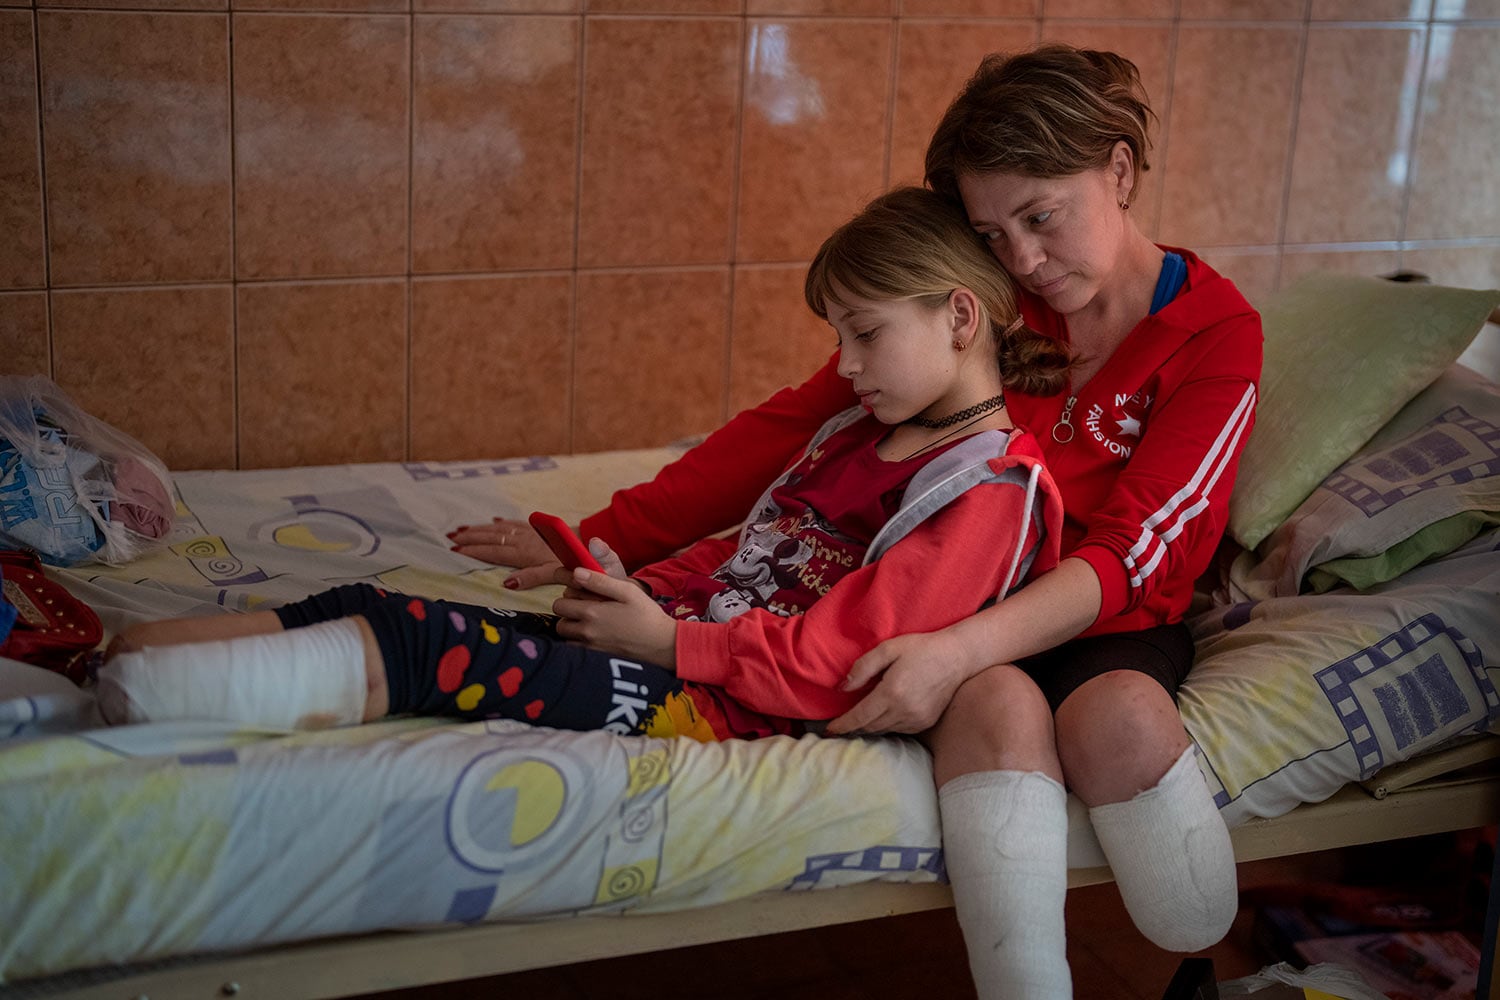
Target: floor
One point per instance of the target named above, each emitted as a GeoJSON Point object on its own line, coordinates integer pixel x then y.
{"type": "Point", "coordinates": [921, 955]}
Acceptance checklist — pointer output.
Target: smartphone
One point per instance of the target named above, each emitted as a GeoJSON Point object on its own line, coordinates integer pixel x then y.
{"type": "Point", "coordinates": [563, 542]}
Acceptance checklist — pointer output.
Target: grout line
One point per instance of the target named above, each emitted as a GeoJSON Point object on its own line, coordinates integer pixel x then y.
{"type": "Point", "coordinates": [1164, 127]}
{"type": "Point", "coordinates": [893, 79]}
{"type": "Point", "coordinates": [580, 103]}
{"type": "Point", "coordinates": [1289, 163]}
{"type": "Point", "coordinates": [736, 176]}
{"type": "Point", "coordinates": [1084, 21]}
{"type": "Point", "coordinates": [1345, 246]}
{"type": "Point", "coordinates": [41, 170]}
{"type": "Point", "coordinates": [409, 288]}
{"type": "Point", "coordinates": [1428, 41]}
{"type": "Point", "coordinates": [234, 268]}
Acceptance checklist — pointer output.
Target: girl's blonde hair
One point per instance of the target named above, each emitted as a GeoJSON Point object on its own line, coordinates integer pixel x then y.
{"type": "Point", "coordinates": [911, 243]}
{"type": "Point", "coordinates": [1053, 111]}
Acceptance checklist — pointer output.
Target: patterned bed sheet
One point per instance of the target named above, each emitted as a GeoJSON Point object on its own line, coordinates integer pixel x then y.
{"type": "Point", "coordinates": [142, 842]}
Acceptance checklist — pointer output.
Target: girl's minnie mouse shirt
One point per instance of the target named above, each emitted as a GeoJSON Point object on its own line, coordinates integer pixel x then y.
{"type": "Point", "coordinates": [812, 531]}
{"type": "Point", "coordinates": [918, 545]}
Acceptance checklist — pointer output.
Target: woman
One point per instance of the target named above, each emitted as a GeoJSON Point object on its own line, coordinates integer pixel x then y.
{"type": "Point", "coordinates": [1073, 678]}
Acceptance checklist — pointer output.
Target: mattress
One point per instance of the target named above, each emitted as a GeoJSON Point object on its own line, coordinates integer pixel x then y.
{"type": "Point", "coordinates": [143, 842]}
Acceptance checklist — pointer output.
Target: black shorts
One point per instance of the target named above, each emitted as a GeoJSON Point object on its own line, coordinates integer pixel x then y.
{"type": "Point", "coordinates": [1163, 653]}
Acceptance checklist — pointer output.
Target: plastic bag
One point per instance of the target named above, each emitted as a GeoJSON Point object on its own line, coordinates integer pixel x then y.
{"type": "Point", "coordinates": [1335, 980]}
{"type": "Point", "coordinates": [72, 488]}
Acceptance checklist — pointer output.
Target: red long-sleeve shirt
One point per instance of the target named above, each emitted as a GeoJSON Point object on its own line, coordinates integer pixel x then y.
{"type": "Point", "coordinates": [974, 548]}
{"type": "Point", "coordinates": [1145, 479]}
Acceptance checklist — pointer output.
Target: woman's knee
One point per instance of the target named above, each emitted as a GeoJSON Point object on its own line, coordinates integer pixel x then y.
{"type": "Point", "coordinates": [999, 720]}
{"type": "Point", "coordinates": [1117, 734]}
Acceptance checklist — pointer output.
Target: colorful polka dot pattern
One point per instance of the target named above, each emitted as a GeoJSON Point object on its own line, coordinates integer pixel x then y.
{"type": "Point", "coordinates": [454, 663]}
{"type": "Point", "coordinates": [458, 660]}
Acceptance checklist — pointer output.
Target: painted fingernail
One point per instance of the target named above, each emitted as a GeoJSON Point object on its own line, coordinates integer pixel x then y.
{"type": "Point", "coordinates": [453, 548]}
{"type": "Point", "coordinates": [453, 534]}
{"type": "Point", "coordinates": [511, 584]}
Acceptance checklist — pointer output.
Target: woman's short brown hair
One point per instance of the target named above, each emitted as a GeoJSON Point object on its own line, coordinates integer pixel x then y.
{"type": "Point", "coordinates": [1052, 111]}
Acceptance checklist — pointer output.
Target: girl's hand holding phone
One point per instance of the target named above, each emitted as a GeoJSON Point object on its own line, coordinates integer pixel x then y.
{"type": "Point", "coordinates": [614, 614]}
{"type": "Point", "coordinates": [573, 553]}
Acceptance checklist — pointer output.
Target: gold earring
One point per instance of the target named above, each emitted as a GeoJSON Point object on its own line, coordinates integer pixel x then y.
{"type": "Point", "coordinates": [959, 345]}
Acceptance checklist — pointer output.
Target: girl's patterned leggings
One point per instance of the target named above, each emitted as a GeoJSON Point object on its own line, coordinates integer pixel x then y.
{"type": "Point", "coordinates": [449, 659]}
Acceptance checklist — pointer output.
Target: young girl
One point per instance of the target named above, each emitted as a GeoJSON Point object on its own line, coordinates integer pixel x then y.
{"type": "Point", "coordinates": [908, 512]}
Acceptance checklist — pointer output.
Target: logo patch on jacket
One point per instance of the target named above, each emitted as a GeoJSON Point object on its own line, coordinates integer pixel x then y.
{"type": "Point", "coordinates": [1120, 429]}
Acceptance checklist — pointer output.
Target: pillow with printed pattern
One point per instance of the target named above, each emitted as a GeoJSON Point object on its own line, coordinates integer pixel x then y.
{"type": "Point", "coordinates": [1343, 354]}
{"type": "Point", "coordinates": [1425, 485]}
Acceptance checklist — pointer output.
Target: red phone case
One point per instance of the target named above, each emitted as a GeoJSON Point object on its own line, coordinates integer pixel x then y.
{"type": "Point", "coordinates": [563, 542]}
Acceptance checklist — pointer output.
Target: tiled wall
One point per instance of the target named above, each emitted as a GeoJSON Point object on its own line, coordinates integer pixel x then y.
{"type": "Point", "coordinates": [306, 231]}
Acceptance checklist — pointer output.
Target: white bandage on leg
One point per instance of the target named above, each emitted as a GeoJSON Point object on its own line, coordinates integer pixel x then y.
{"type": "Point", "coordinates": [1172, 859]}
{"type": "Point", "coordinates": [1005, 842]}
{"type": "Point", "coordinates": [302, 678]}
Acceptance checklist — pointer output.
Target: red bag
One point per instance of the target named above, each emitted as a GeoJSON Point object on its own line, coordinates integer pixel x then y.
{"type": "Point", "coordinates": [53, 629]}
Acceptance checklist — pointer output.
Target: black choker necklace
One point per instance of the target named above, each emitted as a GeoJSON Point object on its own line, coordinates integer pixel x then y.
{"type": "Point", "coordinates": [993, 403]}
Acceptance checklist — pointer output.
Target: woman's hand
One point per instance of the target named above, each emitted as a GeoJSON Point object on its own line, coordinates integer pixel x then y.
{"type": "Point", "coordinates": [614, 614]}
{"type": "Point", "coordinates": [505, 542]}
{"type": "Point", "coordinates": [918, 675]}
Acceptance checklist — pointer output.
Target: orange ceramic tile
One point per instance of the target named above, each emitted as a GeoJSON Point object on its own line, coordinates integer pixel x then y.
{"type": "Point", "coordinates": [158, 363]}
{"type": "Point", "coordinates": [660, 116]}
{"type": "Point", "coordinates": [816, 8]}
{"type": "Point", "coordinates": [135, 126]}
{"type": "Point", "coordinates": [494, 158]}
{"type": "Point", "coordinates": [23, 334]}
{"type": "Point", "coordinates": [321, 144]}
{"type": "Point", "coordinates": [1223, 172]}
{"type": "Point", "coordinates": [491, 367]}
{"type": "Point", "coordinates": [936, 58]}
{"type": "Point", "coordinates": [498, 6]}
{"type": "Point", "coordinates": [22, 252]}
{"type": "Point", "coordinates": [1465, 10]}
{"type": "Point", "coordinates": [176, 5]}
{"type": "Point", "coordinates": [326, 6]}
{"type": "Point", "coordinates": [1371, 10]}
{"type": "Point", "coordinates": [1254, 274]}
{"type": "Point", "coordinates": [812, 152]}
{"type": "Point", "coordinates": [1149, 47]}
{"type": "Point", "coordinates": [775, 340]}
{"type": "Point", "coordinates": [665, 6]}
{"type": "Point", "coordinates": [1456, 186]}
{"type": "Point", "coordinates": [322, 373]}
{"type": "Point", "coordinates": [1297, 264]}
{"type": "Point", "coordinates": [1115, 9]}
{"type": "Point", "coordinates": [1354, 134]}
{"type": "Point", "coordinates": [970, 8]}
{"type": "Point", "coordinates": [1243, 10]}
{"type": "Point", "coordinates": [1461, 267]}
{"type": "Point", "coordinates": [649, 361]}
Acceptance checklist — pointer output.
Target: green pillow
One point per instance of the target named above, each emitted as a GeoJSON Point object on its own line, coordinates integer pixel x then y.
{"type": "Point", "coordinates": [1437, 539]}
{"type": "Point", "coordinates": [1342, 355]}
